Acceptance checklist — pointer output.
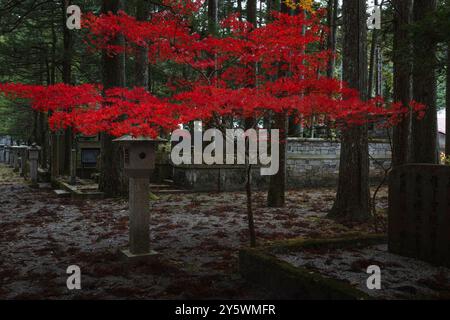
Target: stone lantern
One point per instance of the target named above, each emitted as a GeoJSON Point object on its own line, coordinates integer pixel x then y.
{"type": "Point", "coordinates": [139, 161]}
{"type": "Point", "coordinates": [22, 151]}
{"type": "Point", "coordinates": [33, 156]}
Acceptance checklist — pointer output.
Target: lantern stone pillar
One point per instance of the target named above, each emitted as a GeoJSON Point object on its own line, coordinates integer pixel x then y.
{"type": "Point", "coordinates": [33, 156]}
{"type": "Point", "coordinates": [139, 161]}
{"type": "Point", "coordinates": [22, 150]}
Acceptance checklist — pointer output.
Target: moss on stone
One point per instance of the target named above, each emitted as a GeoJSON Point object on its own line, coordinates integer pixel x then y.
{"type": "Point", "coordinates": [259, 265]}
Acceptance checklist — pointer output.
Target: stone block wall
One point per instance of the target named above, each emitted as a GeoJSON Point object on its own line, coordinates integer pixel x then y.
{"type": "Point", "coordinates": [316, 162]}
{"type": "Point", "coordinates": [310, 163]}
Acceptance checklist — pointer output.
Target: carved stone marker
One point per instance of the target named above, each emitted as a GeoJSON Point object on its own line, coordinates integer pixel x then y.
{"type": "Point", "coordinates": [33, 156]}
{"type": "Point", "coordinates": [419, 212]}
{"type": "Point", "coordinates": [8, 155]}
{"type": "Point", "coordinates": [73, 167]}
{"type": "Point", "coordinates": [22, 151]}
{"type": "Point", "coordinates": [139, 161]}
{"type": "Point", "coordinates": [2, 153]}
{"type": "Point", "coordinates": [15, 159]}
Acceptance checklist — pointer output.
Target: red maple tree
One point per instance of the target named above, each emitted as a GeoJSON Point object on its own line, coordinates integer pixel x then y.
{"type": "Point", "coordinates": [241, 72]}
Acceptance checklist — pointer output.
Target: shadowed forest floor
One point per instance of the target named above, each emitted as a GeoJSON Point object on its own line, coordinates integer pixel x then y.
{"type": "Point", "coordinates": [197, 235]}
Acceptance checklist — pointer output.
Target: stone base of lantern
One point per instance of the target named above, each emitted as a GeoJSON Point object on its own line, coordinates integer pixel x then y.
{"type": "Point", "coordinates": [131, 257]}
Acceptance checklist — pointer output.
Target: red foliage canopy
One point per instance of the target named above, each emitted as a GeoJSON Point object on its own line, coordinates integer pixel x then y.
{"type": "Point", "coordinates": [241, 72]}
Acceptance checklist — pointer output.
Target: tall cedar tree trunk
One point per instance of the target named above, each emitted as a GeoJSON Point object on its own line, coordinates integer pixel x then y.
{"type": "Point", "coordinates": [402, 79]}
{"type": "Point", "coordinates": [42, 124]}
{"type": "Point", "coordinates": [67, 78]}
{"type": "Point", "coordinates": [332, 15]}
{"type": "Point", "coordinates": [112, 182]}
{"type": "Point", "coordinates": [141, 66]}
{"type": "Point", "coordinates": [424, 131]}
{"type": "Point", "coordinates": [251, 17]}
{"type": "Point", "coordinates": [277, 184]}
{"type": "Point", "coordinates": [213, 7]}
{"type": "Point", "coordinates": [250, 123]}
{"type": "Point", "coordinates": [352, 199]}
{"type": "Point", "coordinates": [294, 126]}
{"type": "Point", "coordinates": [55, 141]}
{"type": "Point", "coordinates": [372, 60]}
{"type": "Point", "coordinates": [331, 41]}
{"type": "Point", "coordinates": [447, 112]}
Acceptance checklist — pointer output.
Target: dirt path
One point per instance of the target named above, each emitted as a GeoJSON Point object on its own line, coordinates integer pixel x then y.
{"type": "Point", "coordinates": [197, 235]}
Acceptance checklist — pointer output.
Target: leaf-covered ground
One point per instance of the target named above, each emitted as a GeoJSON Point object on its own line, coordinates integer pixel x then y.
{"type": "Point", "coordinates": [401, 277]}
{"type": "Point", "coordinates": [197, 235]}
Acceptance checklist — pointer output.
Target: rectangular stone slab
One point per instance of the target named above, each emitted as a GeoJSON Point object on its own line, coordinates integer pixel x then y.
{"type": "Point", "coordinates": [419, 212]}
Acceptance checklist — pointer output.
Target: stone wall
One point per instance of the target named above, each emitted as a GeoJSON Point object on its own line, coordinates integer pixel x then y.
{"type": "Point", "coordinates": [310, 163]}
{"type": "Point", "coordinates": [316, 162]}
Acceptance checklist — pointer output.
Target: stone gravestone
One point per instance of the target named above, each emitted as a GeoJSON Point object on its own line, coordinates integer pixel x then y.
{"type": "Point", "coordinates": [33, 156]}
{"type": "Point", "coordinates": [2, 153]}
{"type": "Point", "coordinates": [419, 212]}
{"type": "Point", "coordinates": [8, 155]}
{"type": "Point", "coordinates": [22, 151]}
{"type": "Point", "coordinates": [15, 159]}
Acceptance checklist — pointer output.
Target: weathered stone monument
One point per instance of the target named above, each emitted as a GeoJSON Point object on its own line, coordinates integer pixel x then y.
{"type": "Point", "coordinates": [15, 158]}
{"type": "Point", "coordinates": [419, 212]}
{"type": "Point", "coordinates": [73, 166]}
{"type": "Point", "coordinates": [139, 161]}
{"type": "Point", "coordinates": [2, 153]}
{"type": "Point", "coordinates": [33, 156]}
{"type": "Point", "coordinates": [8, 155]}
{"type": "Point", "coordinates": [22, 154]}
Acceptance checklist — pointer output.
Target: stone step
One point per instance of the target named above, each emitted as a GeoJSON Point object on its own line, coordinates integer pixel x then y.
{"type": "Point", "coordinates": [154, 186]}
{"type": "Point", "coordinates": [169, 191]}
{"type": "Point", "coordinates": [62, 193]}
{"type": "Point", "coordinates": [44, 185]}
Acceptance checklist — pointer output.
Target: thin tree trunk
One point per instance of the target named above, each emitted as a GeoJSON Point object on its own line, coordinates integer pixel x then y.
{"type": "Point", "coordinates": [447, 112]}
{"type": "Point", "coordinates": [277, 183]}
{"type": "Point", "coordinates": [248, 188]}
{"type": "Point", "coordinates": [424, 131]}
{"type": "Point", "coordinates": [402, 79]}
{"type": "Point", "coordinates": [44, 130]}
{"type": "Point", "coordinates": [239, 9]}
{"type": "Point", "coordinates": [277, 186]}
{"type": "Point", "coordinates": [352, 199]}
{"type": "Point", "coordinates": [112, 181]}
{"type": "Point", "coordinates": [372, 63]}
{"type": "Point", "coordinates": [55, 156]}
{"type": "Point", "coordinates": [250, 123]}
{"type": "Point", "coordinates": [67, 78]}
